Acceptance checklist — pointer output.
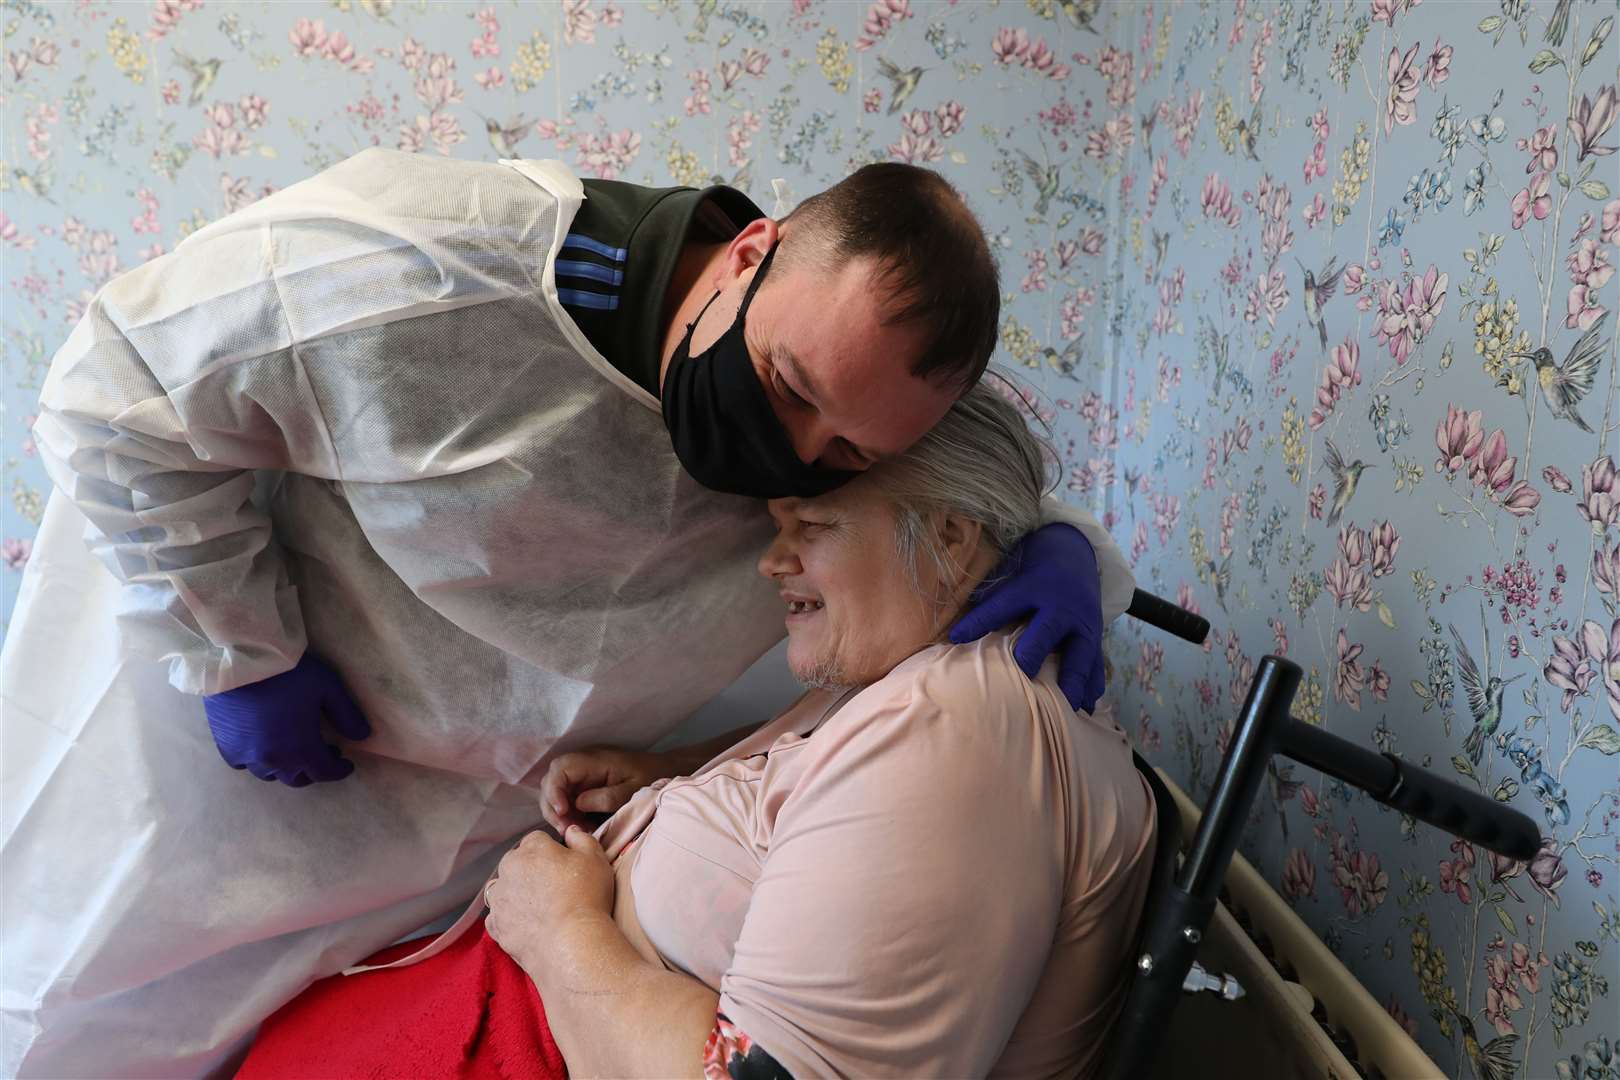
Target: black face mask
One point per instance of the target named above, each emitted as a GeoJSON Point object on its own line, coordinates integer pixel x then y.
{"type": "Point", "coordinates": [722, 425]}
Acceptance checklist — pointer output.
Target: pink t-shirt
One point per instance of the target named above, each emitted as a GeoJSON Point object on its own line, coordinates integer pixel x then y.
{"type": "Point", "coordinates": [939, 875]}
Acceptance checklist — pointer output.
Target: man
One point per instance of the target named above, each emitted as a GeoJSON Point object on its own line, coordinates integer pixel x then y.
{"type": "Point", "coordinates": [425, 447]}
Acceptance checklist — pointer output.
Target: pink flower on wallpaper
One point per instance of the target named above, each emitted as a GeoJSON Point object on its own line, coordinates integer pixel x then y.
{"type": "Point", "coordinates": [1091, 241]}
{"type": "Point", "coordinates": [950, 117]}
{"type": "Point", "coordinates": [914, 151]}
{"type": "Point", "coordinates": [1592, 121]}
{"type": "Point", "coordinates": [1347, 586]}
{"type": "Point", "coordinates": [1400, 104]}
{"type": "Point", "coordinates": [1217, 201]}
{"type": "Point", "coordinates": [1600, 501]}
{"type": "Point", "coordinates": [166, 13]}
{"type": "Point", "coordinates": [1532, 201]}
{"type": "Point", "coordinates": [1316, 501]}
{"type": "Point", "coordinates": [1457, 875]}
{"type": "Point", "coordinates": [740, 132]}
{"type": "Point", "coordinates": [579, 22]}
{"type": "Point", "coordinates": [1459, 438]}
{"type": "Point", "coordinates": [1149, 664]}
{"type": "Point", "coordinates": [1385, 542]}
{"type": "Point", "coordinates": [1267, 296]}
{"type": "Point", "coordinates": [1378, 681]}
{"type": "Point", "coordinates": [1139, 542]}
{"type": "Point", "coordinates": [1556, 480]}
{"type": "Point", "coordinates": [1405, 317]}
{"type": "Point", "coordinates": [1166, 512]}
{"type": "Point", "coordinates": [1349, 679]}
{"type": "Point", "coordinates": [1186, 122]}
{"type": "Point", "coordinates": [1316, 164]}
{"type": "Point", "coordinates": [1589, 271]}
{"type": "Point", "coordinates": [1316, 211]}
{"type": "Point", "coordinates": [1014, 46]}
{"type": "Point", "coordinates": [1114, 137]}
{"type": "Point", "coordinates": [1493, 467]}
{"type": "Point", "coordinates": [1437, 69]}
{"type": "Point", "coordinates": [308, 37]}
{"type": "Point", "coordinates": [1606, 652]}
{"type": "Point", "coordinates": [608, 155]}
{"type": "Point", "coordinates": [872, 100]}
{"type": "Point", "coordinates": [1341, 372]}
{"type": "Point", "coordinates": [1384, 11]}
{"type": "Point", "coordinates": [1299, 875]}
{"type": "Point", "coordinates": [879, 18]}
{"type": "Point", "coordinates": [1353, 546]}
{"type": "Point", "coordinates": [729, 71]}
{"type": "Point", "coordinates": [1361, 883]}
{"type": "Point", "coordinates": [755, 62]}
{"type": "Point", "coordinates": [918, 121]}
{"type": "Point", "coordinates": [14, 552]}
{"type": "Point", "coordinates": [1606, 570]}
{"type": "Point", "coordinates": [1521, 499]}
{"type": "Point", "coordinates": [1571, 667]}
{"type": "Point", "coordinates": [1161, 176]}
{"type": "Point", "coordinates": [1543, 150]}
{"type": "Point", "coordinates": [697, 102]}
{"type": "Point", "coordinates": [1611, 222]}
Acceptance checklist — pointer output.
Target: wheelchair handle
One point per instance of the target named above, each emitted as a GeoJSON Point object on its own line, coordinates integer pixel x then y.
{"type": "Point", "coordinates": [1405, 787]}
{"type": "Point", "coordinates": [1171, 618]}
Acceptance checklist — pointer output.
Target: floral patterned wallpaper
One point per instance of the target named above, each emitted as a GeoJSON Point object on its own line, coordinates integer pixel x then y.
{"type": "Point", "coordinates": [1254, 253]}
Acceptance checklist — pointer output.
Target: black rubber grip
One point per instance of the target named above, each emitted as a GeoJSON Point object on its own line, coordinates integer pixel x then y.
{"type": "Point", "coordinates": [1171, 618]}
{"type": "Point", "coordinates": [1461, 812]}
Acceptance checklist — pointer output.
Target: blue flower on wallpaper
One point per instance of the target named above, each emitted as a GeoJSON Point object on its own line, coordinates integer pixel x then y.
{"type": "Point", "coordinates": [1392, 228]}
{"type": "Point", "coordinates": [1474, 187]}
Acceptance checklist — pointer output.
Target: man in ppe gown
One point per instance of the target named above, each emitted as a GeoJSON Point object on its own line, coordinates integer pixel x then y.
{"type": "Point", "coordinates": [388, 448]}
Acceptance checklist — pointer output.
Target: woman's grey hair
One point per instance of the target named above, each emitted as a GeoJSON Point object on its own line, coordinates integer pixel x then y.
{"type": "Point", "coordinates": [981, 462]}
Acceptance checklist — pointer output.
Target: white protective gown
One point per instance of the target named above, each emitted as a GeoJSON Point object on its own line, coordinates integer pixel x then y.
{"type": "Point", "coordinates": [354, 416]}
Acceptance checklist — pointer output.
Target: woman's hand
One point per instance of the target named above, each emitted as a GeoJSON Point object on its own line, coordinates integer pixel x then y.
{"type": "Point", "coordinates": [540, 886]}
{"type": "Point", "coordinates": [598, 781]}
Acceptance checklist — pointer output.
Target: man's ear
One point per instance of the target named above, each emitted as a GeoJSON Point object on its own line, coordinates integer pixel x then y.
{"type": "Point", "coordinates": [748, 249]}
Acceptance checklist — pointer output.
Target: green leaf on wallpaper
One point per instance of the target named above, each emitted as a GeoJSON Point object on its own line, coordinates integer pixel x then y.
{"type": "Point", "coordinates": [1594, 189]}
{"type": "Point", "coordinates": [1599, 36]}
{"type": "Point", "coordinates": [1464, 766]}
{"type": "Point", "coordinates": [958, 157]}
{"type": "Point", "coordinates": [1545, 59]}
{"type": "Point", "coordinates": [1563, 180]}
{"type": "Point", "coordinates": [1505, 790]}
{"type": "Point", "coordinates": [1506, 920]}
{"type": "Point", "coordinates": [1490, 24]}
{"type": "Point", "coordinates": [1386, 616]}
{"type": "Point", "coordinates": [1602, 738]}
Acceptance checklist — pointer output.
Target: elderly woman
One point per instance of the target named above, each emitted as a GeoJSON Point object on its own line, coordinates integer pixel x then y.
{"type": "Point", "coordinates": [929, 865]}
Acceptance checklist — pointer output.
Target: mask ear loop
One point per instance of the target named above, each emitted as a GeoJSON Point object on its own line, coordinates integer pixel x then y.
{"type": "Point", "coordinates": [779, 188]}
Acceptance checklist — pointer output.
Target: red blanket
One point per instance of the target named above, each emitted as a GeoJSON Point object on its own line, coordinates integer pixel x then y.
{"type": "Point", "coordinates": [468, 1013]}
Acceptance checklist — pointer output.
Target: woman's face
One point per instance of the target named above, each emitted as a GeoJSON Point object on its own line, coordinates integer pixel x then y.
{"type": "Point", "coordinates": [852, 611]}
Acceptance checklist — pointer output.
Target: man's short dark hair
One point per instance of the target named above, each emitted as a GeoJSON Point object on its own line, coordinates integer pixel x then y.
{"type": "Point", "coordinates": [932, 254]}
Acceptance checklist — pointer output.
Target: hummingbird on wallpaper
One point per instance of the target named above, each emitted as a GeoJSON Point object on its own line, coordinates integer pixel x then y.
{"type": "Point", "coordinates": [1045, 179]}
{"type": "Point", "coordinates": [504, 138]}
{"type": "Point", "coordinates": [1318, 291]}
{"type": "Point", "coordinates": [1081, 12]}
{"type": "Point", "coordinates": [1248, 131]}
{"type": "Point", "coordinates": [1345, 479]}
{"type": "Point", "coordinates": [1161, 249]}
{"type": "Point", "coordinates": [1492, 1061]}
{"type": "Point", "coordinates": [1563, 387]}
{"type": "Point", "coordinates": [202, 72]}
{"type": "Point", "coordinates": [1063, 362]}
{"type": "Point", "coordinates": [904, 83]}
{"type": "Point", "coordinates": [1220, 576]}
{"type": "Point", "coordinates": [1484, 694]}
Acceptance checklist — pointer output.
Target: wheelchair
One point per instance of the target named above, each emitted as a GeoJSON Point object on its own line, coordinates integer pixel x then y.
{"type": "Point", "coordinates": [1182, 892]}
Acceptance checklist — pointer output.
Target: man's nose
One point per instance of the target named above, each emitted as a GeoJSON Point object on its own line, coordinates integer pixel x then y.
{"type": "Point", "coordinates": [811, 435]}
{"type": "Point", "coordinates": [779, 558]}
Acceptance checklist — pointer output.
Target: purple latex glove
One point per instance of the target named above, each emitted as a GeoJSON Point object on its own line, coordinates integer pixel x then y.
{"type": "Point", "coordinates": [1051, 579]}
{"type": "Point", "coordinates": [272, 728]}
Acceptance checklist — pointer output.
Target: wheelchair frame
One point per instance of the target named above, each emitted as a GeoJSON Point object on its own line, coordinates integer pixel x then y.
{"type": "Point", "coordinates": [1180, 902]}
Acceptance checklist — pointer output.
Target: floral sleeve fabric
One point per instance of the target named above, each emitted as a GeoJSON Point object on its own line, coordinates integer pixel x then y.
{"type": "Point", "coordinates": [730, 1053]}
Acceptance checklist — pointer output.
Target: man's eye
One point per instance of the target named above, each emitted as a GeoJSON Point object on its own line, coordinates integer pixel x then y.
{"type": "Point", "coordinates": [787, 391]}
